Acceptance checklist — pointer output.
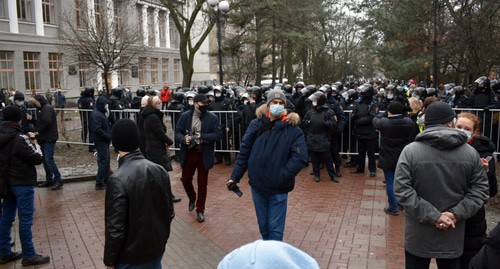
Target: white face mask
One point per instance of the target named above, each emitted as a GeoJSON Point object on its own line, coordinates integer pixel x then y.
{"type": "Point", "coordinates": [468, 133]}
{"type": "Point", "coordinates": [190, 102]}
{"type": "Point", "coordinates": [218, 95]}
{"type": "Point", "coordinates": [315, 103]}
{"type": "Point", "coordinates": [245, 102]}
{"type": "Point", "coordinates": [19, 103]}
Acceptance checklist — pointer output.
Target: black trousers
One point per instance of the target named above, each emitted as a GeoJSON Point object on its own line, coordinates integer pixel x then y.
{"type": "Point", "coordinates": [415, 262]}
{"type": "Point", "coordinates": [322, 157]}
{"type": "Point", "coordinates": [366, 146]}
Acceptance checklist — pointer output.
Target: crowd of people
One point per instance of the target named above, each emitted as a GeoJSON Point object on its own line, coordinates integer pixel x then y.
{"type": "Point", "coordinates": [438, 167]}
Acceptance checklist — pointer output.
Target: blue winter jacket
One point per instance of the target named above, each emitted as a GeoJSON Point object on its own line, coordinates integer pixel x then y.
{"type": "Point", "coordinates": [100, 125]}
{"type": "Point", "coordinates": [275, 157]}
{"type": "Point", "coordinates": [210, 133]}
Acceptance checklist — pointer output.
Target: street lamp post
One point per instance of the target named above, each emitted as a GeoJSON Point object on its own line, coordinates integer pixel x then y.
{"type": "Point", "coordinates": [222, 7]}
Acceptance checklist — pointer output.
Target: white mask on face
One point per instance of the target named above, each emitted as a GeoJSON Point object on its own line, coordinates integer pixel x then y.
{"type": "Point", "coordinates": [190, 102]}
{"type": "Point", "coordinates": [468, 133]}
{"type": "Point", "coordinates": [218, 95]}
{"type": "Point", "coordinates": [314, 103]}
{"type": "Point", "coordinates": [19, 103]}
{"type": "Point", "coordinates": [245, 102]}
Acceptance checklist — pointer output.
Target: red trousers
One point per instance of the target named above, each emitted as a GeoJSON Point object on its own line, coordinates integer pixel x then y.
{"type": "Point", "coordinates": [194, 161]}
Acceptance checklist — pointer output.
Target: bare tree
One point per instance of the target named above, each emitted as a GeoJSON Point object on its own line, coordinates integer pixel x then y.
{"type": "Point", "coordinates": [99, 37]}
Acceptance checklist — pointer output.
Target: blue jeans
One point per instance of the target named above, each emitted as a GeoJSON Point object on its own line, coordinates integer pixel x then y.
{"type": "Point", "coordinates": [102, 149]}
{"type": "Point", "coordinates": [51, 170]}
{"type": "Point", "coordinates": [389, 188]}
{"type": "Point", "coordinates": [154, 264]}
{"type": "Point", "coordinates": [22, 200]}
{"type": "Point", "coordinates": [271, 214]}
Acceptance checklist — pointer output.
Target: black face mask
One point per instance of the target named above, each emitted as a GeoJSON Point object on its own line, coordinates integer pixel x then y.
{"type": "Point", "coordinates": [203, 109]}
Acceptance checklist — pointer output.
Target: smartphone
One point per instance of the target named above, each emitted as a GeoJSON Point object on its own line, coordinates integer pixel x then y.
{"type": "Point", "coordinates": [488, 158]}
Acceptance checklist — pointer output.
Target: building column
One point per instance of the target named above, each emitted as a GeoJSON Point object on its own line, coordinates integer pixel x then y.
{"type": "Point", "coordinates": [156, 22]}
{"type": "Point", "coordinates": [167, 29]}
{"type": "Point", "coordinates": [39, 17]}
{"type": "Point", "coordinates": [13, 24]}
{"type": "Point", "coordinates": [91, 14]}
{"type": "Point", "coordinates": [145, 34]}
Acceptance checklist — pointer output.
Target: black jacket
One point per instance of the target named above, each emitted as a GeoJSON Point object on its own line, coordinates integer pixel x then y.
{"type": "Point", "coordinates": [210, 133]}
{"type": "Point", "coordinates": [100, 125]}
{"type": "Point", "coordinates": [25, 156]}
{"type": "Point", "coordinates": [489, 255]}
{"type": "Point", "coordinates": [394, 136]}
{"type": "Point", "coordinates": [319, 125]}
{"type": "Point", "coordinates": [155, 135]}
{"type": "Point", "coordinates": [46, 123]}
{"type": "Point", "coordinates": [362, 116]}
{"type": "Point", "coordinates": [138, 211]}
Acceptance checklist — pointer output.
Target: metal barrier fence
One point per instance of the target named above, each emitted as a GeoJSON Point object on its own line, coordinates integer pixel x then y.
{"type": "Point", "coordinates": [74, 127]}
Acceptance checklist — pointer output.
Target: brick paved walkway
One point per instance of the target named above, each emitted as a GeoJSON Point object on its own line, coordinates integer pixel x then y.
{"type": "Point", "coordinates": [341, 225]}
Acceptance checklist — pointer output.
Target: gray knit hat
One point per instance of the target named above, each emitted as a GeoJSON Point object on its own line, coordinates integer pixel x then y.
{"type": "Point", "coordinates": [275, 94]}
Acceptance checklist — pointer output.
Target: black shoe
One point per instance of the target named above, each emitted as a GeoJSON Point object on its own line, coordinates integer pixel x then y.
{"type": "Point", "coordinates": [175, 199]}
{"type": "Point", "coordinates": [316, 178]}
{"type": "Point", "coordinates": [191, 206]}
{"type": "Point", "coordinates": [373, 174]}
{"type": "Point", "coordinates": [11, 257]}
{"type": "Point", "coordinates": [200, 217]}
{"type": "Point", "coordinates": [338, 174]}
{"type": "Point", "coordinates": [37, 259]}
{"type": "Point", "coordinates": [334, 179]}
{"type": "Point", "coordinates": [357, 172]}
{"type": "Point", "coordinates": [57, 186]}
{"type": "Point", "coordinates": [350, 165]}
{"type": "Point", "coordinates": [46, 184]}
{"type": "Point", "coordinates": [100, 187]}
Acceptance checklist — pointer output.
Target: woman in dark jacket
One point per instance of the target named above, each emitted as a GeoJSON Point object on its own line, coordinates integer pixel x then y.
{"type": "Point", "coordinates": [395, 129]}
{"type": "Point", "coordinates": [489, 255]}
{"type": "Point", "coordinates": [319, 124]}
{"type": "Point", "coordinates": [157, 141]}
{"type": "Point", "coordinates": [475, 227]}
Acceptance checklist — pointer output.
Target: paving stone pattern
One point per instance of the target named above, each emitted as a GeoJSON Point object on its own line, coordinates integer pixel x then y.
{"type": "Point", "coordinates": [342, 225]}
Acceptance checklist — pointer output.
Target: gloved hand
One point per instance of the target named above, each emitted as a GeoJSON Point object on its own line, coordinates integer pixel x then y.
{"type": "Point", "coordinates": [233, 186]}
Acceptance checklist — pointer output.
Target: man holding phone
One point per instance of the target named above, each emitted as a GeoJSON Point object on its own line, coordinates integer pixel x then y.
{"type": "Point", "coordinates": [196, 132]}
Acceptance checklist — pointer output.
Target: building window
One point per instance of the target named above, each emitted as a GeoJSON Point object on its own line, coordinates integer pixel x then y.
{"type": "Point", "coordinates": [174, 35]}
{"type": "Point", "coordinates": [164, 70]}
{"type": "Point", "coordinates": [84, 71]}
{"type": "Point", "coordinates": [154, 70]}
{"type": "Point", "coordinates": [7, 70]}
{"type": "Point", "coordinates": [3, 11]}
{"type": "Point", "coordinates": [32, 70]}
{"type": "Point", "coordinates": [123, 73]}
{"type": "Point", "coordinates": [177, 71]}
{"type": "Point", "coordinates": [55, 70]}
{"type": "Point", "coordinates": [49, 11]}
{"type": "Point", "coordinates": [161, 21]}
{"type": "Point", "coordinates": [24, 10]}
{"type": "Point", "coordinates": [140, 20]}
{"type": "Point", "coordinates": [117, 15]}
{"type": "Point", "coordinates": [151, 27]}
{"type": "Point", "coordinates": [97, 13]}
{"type": "Point", "coordinates": [79, 8]}
{"type": "Point", "coordinates": [142, 70]}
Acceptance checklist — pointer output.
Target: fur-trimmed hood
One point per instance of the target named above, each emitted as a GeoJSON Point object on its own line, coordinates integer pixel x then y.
{"type": "Point", "coordinates": [292, 118]}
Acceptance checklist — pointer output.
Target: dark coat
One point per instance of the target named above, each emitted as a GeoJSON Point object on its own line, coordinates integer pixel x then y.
{"type": "Point", "coordinates": [25, 156]}
{"type": "Point", "coordinates": [275, 157]}
{"type": "Point", "coordinates": [100, 125]}
{"type": "Point", "coordinates": [489, 255]}
{"type": "Point", "coordinates": [362, 116]}
{"type": "Point", "coordinates": [156, 137]}
{"type": "Point", "coordinates": [210, 133]}
{"type": "Point", "coordinates": [46, 123]}
{"type": "Point", "coordinates": [138, 211]}
{"type": "Point", "coordinates": [319, 125]}
{"type": "Point", "coordinates": [394, 136]}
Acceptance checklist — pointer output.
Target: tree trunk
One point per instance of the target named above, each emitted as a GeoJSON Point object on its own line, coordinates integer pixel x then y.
{"type": "Point", "coordinates": [258, 57]}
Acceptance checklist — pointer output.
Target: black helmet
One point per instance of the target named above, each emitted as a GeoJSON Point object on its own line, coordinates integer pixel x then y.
{"type": "Point", "coordinates": [458, 90]}
{"type": "Point", "coordinates": [179, 96]}
{"type": "Point", "coordinates": [390, 88]}
{"type": "Point", "coordinates": [256, 93]}
{"type": "Point", "coordinates": [319, 97]}
{"type": "Point", "coordinates": [366, 90]}
{"type": "Point", "coordinates": [140, 92]}
{"type": "Point", "coordinates": [482, 82]}
{"type": "Point", "coordinates": [89, 91]}
{"type": "Point", "coordinates": [118, 92]}
{"type": "Point", "coordinates": [400, 91]}
{"type": "Point", "coordinates": [299, 85]}
{"type": "Point", "coordinates": [18, 96]}
{"type": "Point", "coordinates": [431, 92]}
{"type": "Point", "coordinates": [151, 92]}
{"type": "Point", "coordinates": [287, 88]}
{"type": "Point", "coordinates": [202, 89]}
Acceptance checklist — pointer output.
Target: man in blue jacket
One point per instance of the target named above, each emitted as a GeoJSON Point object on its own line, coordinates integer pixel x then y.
{"type": "Point", "coordinates": [273, 151]}
{"type": "Point", "coordinates": [196, 132]}
{"type": "Point", "coordinates": [101, 132]}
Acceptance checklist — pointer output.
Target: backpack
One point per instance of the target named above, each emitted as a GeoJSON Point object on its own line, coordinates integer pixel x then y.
{"type": "Point", "coordinates": [5, 165]}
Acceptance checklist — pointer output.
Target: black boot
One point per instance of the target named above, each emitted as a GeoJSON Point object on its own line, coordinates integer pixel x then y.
{"type": "Point", "coordinates": [337, 170]}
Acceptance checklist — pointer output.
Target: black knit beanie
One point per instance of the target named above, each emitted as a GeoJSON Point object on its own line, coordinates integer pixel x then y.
{"type": "Point", "coordinates": [125, 135]}
{"type": "Point", "coordinates": [12, 113]}
{"type": "Point", "coordinates": [438, 113]}
{"type": "Point", "coordinates": [395, 108]}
